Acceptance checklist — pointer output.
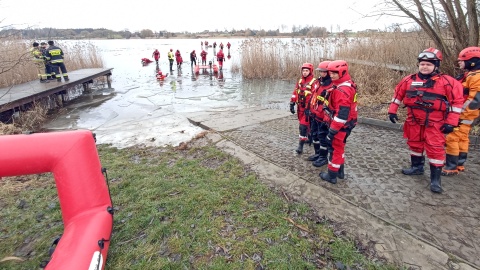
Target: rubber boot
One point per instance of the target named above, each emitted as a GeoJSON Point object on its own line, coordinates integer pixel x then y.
{"type": "Point", "coordinates": [300, 147]}
{"type": "Point", "coordinates": [435, 179]}
{"type": "Point", "coordinates": [44, 81]}
{"type": "Point", "coordinates": [450, 168]}
{"type": "Point", "coordinates": [417, 166]}
{"type": "Point", "coordinates": [322, 159]}
{"type": "Point", "coordinates": [66, 78]}
{"type": "Point", "coordinates": [341, 172]}
{"type": "Point", "coordinates": [462, 158]}
{"type": "Point", "coordinates": [329, 176]}
{"type": "Point", "coordinates": [314, 157]}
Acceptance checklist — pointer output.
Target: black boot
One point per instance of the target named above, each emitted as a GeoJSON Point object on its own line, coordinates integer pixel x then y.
{"type": "Point", "coordinates": [303, 135]}
{"type": "Point", "coordinates": [341, 172]}
{"type": "Point", "coordinates": [316, 146]}
{"type": "Point", "coordinates": [417, 166]}
{"type": "Point", "coordinates": [450, 168]}
{"type": "Point", "coordinates": [322, 158]}
{"type": "Point", "coordinates": [329, 176]}
{"type": "Point", "coordinates": [435, 179]}
{"type": "Point", "coordinates": [462, 158]}
{"type": "Point", "coordinates": [300, 147]}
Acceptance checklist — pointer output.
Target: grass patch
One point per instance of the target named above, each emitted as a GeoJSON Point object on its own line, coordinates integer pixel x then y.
{"type": "Point", "coordinates": [194, 209]}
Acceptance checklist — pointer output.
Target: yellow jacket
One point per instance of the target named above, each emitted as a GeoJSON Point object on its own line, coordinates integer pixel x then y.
{"type": "Point", "coordinates": [170, 56]}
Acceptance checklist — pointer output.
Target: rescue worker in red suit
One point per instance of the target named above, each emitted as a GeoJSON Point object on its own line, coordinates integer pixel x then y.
{"type": "Point", "coordinates": [178, 59]}
{"type": "Point", "coordinates": [220, 59]}
{"type": "Point", "coordinates": [341, 116]}
{"type": "Point", "coordinates": [214, 44]}
{"type": "Point", "coordinates": [457, 141]}
{"type": "Point", "coordinates": [221, 45]}
{"type": "Point", "coordinates": [434, 102]}
{"type": "Point", "coordinates": [229, 45]}
{"type": "Point", "coordinates": [318, 128]}
{"type": "Point", "coordinates": [156, 55]}
{"type": "Point", "coordinates": [203, 54]}
{"type": "Point", "coordinates": [301, 96]}
{"type": "Point", "coordinates": [160, 76]}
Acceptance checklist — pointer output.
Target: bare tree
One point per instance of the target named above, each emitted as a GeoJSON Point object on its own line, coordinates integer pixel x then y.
{"type": "Point", "coordinates": [451, 24]}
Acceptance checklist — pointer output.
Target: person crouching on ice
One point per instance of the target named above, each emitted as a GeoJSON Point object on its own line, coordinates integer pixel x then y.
{"type": "Point", "coordinates": [160, 76]}
{"type": "Point", "coordinates": [301, 97]}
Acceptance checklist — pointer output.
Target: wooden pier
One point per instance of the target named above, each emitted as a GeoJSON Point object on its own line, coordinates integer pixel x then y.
{"type": "Point", "coordinates": [17, 96]}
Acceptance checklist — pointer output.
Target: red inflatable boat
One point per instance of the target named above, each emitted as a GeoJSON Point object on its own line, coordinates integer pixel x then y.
{"type": "Point", "coordinates": [197, 68]}
{"type": "Point", "coordinates": [85, 201]}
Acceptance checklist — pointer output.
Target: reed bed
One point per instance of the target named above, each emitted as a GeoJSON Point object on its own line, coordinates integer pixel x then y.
{"type": "Point", "coordinates": [16, 65]}
{"type": "Point", "coordinates": [370, 58]}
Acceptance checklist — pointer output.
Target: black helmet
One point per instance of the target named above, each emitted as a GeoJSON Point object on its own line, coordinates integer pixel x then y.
{"type": "Point", "coordinates": [35, 44]}
{"type": "Point", "coordinates": [50, 42]}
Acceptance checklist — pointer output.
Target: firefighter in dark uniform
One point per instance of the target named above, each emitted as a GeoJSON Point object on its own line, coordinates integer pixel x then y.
{"type": "Point", "coordinates": [56, 59]}
{"type": "Point", "coordinates": [48, 65]}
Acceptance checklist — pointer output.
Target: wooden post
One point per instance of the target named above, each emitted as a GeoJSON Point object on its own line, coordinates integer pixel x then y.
{"type": "Point", "coordinates": [86, 87]}
{"type": "Point", "coordinates": [108, 81]}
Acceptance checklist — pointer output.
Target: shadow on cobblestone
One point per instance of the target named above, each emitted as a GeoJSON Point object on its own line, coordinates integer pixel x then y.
{"type": "Point", "coordinates": [374, 158]}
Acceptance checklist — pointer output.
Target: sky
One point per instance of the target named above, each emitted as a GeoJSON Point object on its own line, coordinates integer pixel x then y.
{"type": "Point", "coordinates": [193, 16]}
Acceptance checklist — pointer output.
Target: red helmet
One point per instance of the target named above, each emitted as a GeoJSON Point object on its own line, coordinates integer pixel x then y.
{"type": "Point", "coordinates": [469, 53]}
{"type": "Point", "coordinates": [309, 66]}
{"type": "Point", "coordinates": [339, 66]}
{"type": "Point", "coordinates": [323, 66]}
{"type": "Point", "coordinates": [430, 54]}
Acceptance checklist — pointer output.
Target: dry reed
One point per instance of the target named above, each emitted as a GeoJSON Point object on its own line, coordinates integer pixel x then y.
{"type": "Point", "coordinates": [370, 59]}
{"type": "Point", "coordinates": [17, 66]}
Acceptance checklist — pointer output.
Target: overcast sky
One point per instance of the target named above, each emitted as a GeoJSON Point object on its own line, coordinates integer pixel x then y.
{"type": "Point", "coordinates": [192, 16]}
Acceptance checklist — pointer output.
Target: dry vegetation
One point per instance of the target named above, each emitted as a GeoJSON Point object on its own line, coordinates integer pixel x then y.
{"type": "Point", "coordinates": [370, 58]}
{"type": "Point", "coordinates": [16, 67]}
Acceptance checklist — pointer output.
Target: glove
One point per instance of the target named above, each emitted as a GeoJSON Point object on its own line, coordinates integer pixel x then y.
{"type": "Point", "coordinates": [393, 117]}
{"type": "Point", "coordinates": [329, 139]}
{"type": "Point", "coordinates": [447, 128]}
{"type": "Point", "coordinates": [307, 112]}
{"type": "Point", "coordinates": [292, 107]}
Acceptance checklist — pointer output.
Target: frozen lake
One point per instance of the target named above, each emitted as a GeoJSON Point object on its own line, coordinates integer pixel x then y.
{"type": "Point", "coordinates": [141, 110]}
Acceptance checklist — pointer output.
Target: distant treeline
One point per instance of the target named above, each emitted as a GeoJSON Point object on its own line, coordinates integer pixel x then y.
{"type": "Point", "coordinates": [90, 33]}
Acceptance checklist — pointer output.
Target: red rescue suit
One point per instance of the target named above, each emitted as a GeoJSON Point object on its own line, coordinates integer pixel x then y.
{"type": "Point", "coordinates": [341, 116]}
{"type": "Point", "coordinates": [302, 95]}
{"type": "Point", "coordinates": [156, 55]}
{"type": "Point", "coordinates": [178, 57]}
{"type": "Point", "coordinates": [430, 104]}
{"type": "Point", "coordinates": [228, 45]}
{"type": "Point", "coordinates": [220, 58]}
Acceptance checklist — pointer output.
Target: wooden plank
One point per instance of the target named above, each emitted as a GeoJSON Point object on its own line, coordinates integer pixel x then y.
{"type": "Point", "coordinates": [21, 94]}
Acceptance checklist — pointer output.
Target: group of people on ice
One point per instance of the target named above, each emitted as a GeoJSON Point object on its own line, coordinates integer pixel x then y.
{"type": "Point", "coordinates": [440, 111]}
{"type": "Point", "coordinates": [178, 59]}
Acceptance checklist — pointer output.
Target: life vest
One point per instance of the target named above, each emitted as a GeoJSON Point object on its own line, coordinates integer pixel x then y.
{"type": "Point", "coordinates": [303, 91]}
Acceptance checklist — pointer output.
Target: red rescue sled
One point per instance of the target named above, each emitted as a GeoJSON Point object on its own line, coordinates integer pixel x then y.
{"type": "Point", "coordinates": [85, 201]}
{"type": "Point", "coordinates": [197, 68]}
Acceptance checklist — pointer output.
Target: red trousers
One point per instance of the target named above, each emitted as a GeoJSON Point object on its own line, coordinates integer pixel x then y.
{"type": "Point", "coordinates": [337, 152]}
{"type": "Point", "coordinates": [428, 138]}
